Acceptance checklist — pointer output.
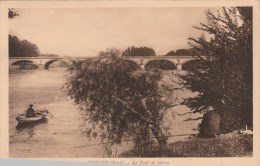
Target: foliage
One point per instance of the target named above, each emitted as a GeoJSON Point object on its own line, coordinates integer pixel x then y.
{"type": "Point", "coordinates": [12, 13]}
{"type": "Point", "coordinates": [224, 146]}
{"type": "Point", "coordinates": [22, 48]}
{"type": "Point", "coordinates": [226, 81]}
{"type": "Point", "coordinates": [171, 53]}
{"type": "Point", "coordinates": [183, 52]}
{"type": "Point", "coordinates": [138, 51]}
{"type": "Point", "coordinates": [120, 102]}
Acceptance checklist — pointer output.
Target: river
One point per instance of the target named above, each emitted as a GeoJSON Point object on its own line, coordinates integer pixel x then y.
{"type": "Point", "coordinates": [61, 136]}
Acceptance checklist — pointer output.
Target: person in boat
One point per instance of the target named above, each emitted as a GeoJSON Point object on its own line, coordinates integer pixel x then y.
{"type": "Point", "coordinates": [30, 112]}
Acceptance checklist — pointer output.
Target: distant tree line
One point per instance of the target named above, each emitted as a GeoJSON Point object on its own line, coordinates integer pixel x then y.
{"type": "Point", "coordinates": [183, 52]}
{"type": "Point", "coordinates": [138, 51]}
{"type": "Point", "coordinates": [146, 51]}
{"type": "Point", "coordinates": [22, 48]}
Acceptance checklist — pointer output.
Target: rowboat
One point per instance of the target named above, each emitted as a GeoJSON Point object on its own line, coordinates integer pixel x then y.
{"type": "Point", "coordinates": [40, 116]}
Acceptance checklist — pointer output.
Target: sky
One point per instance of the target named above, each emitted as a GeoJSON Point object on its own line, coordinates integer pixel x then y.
{"type": "Point", "coordinates": [86, 32]}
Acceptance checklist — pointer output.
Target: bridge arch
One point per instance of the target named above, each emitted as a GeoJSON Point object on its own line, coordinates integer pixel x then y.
{"type": "Point", "coordinates": [48, 63]}
{"type": "Point", "coordinates": [194, 65]}
{"type": "Point", "coordinates": [161, 64]}
{"type": "Point", "coordinates": [25, 64]}
{"type": "Point", "coordinates": [21, 62]}
{"type": "Point", "coordinates": [131, 64]}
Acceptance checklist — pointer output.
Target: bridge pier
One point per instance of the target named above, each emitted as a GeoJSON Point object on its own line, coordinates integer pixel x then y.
{"type": "Point", "coordinates": [142, 66]}
{"type": "Point", "coordinates": [179, 66]}
{"type": "Point", "coordinates": [41, 67]}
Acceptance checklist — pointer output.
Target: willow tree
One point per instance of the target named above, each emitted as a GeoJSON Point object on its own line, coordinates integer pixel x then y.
{"type": "Point", "coordinates": [119, 101]}
{"type": "Point", "coordinates": [226, 81]}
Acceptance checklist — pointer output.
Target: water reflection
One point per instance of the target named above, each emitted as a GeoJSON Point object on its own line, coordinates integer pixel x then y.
{"type": "Point", "coordinates": [21, 127]}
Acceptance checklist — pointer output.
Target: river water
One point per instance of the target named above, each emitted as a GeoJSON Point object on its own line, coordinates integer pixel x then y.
{"type": "Point", "coordinates": [61, 136]}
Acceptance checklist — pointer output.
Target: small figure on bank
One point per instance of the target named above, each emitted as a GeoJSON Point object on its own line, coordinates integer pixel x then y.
{"type": "Point", "coordinates": [30, 112]}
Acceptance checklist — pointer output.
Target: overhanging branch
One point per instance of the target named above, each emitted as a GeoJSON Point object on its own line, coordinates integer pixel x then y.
{"type": "Point", "coordinates": [125, 104]}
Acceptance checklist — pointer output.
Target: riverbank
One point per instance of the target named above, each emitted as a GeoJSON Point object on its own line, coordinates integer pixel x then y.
{"type": "Point", "coordinates": [228, 145]}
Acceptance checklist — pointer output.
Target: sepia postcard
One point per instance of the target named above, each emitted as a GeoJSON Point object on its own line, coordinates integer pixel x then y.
{"type": "Point", "coordinates": [130, 82]}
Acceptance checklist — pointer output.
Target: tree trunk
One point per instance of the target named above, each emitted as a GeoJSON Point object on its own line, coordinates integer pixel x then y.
{"type": "Point", "coordinates": [159, 135]}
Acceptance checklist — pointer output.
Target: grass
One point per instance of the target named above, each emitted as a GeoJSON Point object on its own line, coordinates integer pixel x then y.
{"type": "Point", "coordinates": [230, 145]}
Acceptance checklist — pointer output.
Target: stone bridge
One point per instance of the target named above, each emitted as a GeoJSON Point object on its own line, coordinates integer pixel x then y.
{"type": "Point", "coordinates": [42, 62]}
{"type": "Point", "coordinates": [142, 61]}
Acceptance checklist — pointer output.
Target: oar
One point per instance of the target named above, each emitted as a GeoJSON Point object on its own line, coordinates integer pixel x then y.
{"type": "Point", "coordinates": [48, 112]}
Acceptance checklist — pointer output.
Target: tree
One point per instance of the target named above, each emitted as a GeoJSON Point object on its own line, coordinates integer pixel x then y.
{"type": "Point", "coordinates": [141, 51]}
{"type": "Point", "coordinates": [22, 48]}
{"type": "Point", "coordinates": [120, 102]}
{"type": "Point", "coordinates": [183, 52]}
{"type": "Point", "coordinates": [226, 82]}
{"type": "Point", "coordinates": [12, 13]}
{"type": "Point", "coordinates": [171, 53]}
